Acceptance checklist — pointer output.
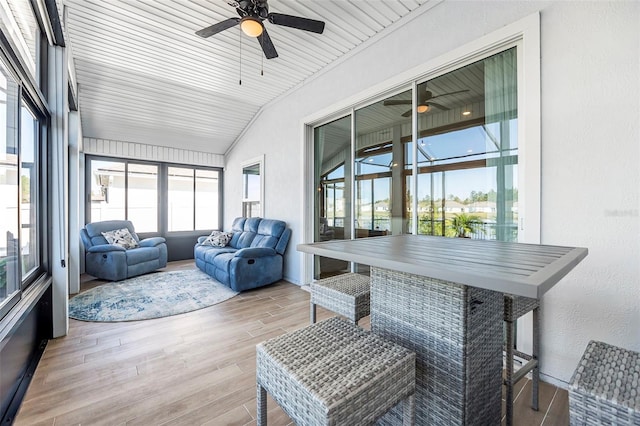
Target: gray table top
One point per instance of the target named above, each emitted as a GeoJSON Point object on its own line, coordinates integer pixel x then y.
{"type": "Point", "coordinates": [528, 270]}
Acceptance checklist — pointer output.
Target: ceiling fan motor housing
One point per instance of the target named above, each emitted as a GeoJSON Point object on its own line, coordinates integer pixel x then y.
{"type": "Point", "coordinates": [258, 9]}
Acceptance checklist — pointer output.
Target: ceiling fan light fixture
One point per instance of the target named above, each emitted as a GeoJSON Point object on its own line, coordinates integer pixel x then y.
{"type": "Point", "coordinates": [422, 108]}
{"type": "Point", "coordinates": [251, 26]}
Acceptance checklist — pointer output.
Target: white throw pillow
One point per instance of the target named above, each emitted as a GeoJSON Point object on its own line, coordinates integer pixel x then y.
{"type": "Point", "coordinates": [218, 239]}
{"type": "Point", "coordinates": [121, 237]}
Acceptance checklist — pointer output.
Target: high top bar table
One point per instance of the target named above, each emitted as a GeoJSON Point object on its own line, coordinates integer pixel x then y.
{"type": "Point", "coordinates": [443, 299]}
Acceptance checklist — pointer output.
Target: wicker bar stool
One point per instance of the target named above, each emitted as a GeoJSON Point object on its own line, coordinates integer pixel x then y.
{"type": "Point", "coordinates": [345, 294]}
{"type": "Point", "coordinates": [335, 373]}
{"type": "Point", "coordinates": [514, 308]}
{"type": "Point", "coordinates": [605, 387]}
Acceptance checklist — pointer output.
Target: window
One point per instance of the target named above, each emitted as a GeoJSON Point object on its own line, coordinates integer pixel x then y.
{"type": "Point", "coordinates": [193, 199]}
{"type": "Point", "coordinates": [207, 199]}
{"type": "Point", "coordinates": [122, 189]}
{"type": "Point", "coordinates": [142, 196]}
{"type": "Point", "coordinates": [107, 197]}
{"type": "Point", "coordinates": [181, 196]}
{"type": "Point", "coordinates": [19, 14]}
{"type": "Point", "coordinates": [9, 195]}
{"type": "Point", "coordinates": [253, 188]}
{"type": "Point", "coordinates": [21, 215]}
{"type": "Point", "coordinates": [29, 193]}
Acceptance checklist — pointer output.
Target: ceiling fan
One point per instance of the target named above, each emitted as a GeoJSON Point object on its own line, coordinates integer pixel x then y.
{"type": "Point", "coordinates": [424, 101]}
{"type": "Point", "coordinates": [252, 13]}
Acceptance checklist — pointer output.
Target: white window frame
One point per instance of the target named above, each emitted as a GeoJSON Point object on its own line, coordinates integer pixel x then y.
{"type": "Point", "coordinates": [252, 162]}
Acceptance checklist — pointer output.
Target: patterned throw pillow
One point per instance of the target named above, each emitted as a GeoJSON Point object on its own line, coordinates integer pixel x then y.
{"type": "Point", "coordinates": [218, 239]}
{"type": "Point", "coordinates": [121, 237]}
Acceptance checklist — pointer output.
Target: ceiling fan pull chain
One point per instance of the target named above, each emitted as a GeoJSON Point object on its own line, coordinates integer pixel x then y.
{"type": "Point", "coordinates": [240, 80]}
{"type": "Point", "coordinates": [261, 61]}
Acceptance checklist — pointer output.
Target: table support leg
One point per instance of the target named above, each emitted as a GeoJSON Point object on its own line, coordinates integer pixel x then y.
{"type": "Point", "coordinates": [456, 332]}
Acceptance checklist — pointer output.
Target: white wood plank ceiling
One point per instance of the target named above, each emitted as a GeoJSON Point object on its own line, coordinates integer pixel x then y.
{"type": "Point", "coordinates": [145, 76]}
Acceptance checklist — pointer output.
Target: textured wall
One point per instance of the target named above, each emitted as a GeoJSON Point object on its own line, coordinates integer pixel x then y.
{"type": "Point", "coordinates": [590, 175]}
{"type": "Point", "coordinates": [590, 115]}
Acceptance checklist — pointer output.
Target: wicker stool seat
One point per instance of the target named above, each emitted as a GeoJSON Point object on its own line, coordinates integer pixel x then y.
{"type": "Point", "coordinates": [514, 308]}
{"type": "Point", "coordinates": [605, 388]}
{"type": "Point", "coordinates": [346, 294]}
{"type": "Point", "coordinates": [334, 373]}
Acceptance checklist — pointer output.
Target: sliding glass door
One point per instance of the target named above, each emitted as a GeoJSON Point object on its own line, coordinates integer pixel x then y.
{"type": "Point", "coordinates": [467, 160]}
{"type": "Point", "coordinates": [332, 214]}
{"type": "Point", "coordinates": [458, 180]}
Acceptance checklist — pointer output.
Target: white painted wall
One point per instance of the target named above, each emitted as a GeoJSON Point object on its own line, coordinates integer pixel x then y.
{"type": "Point", "coordinates": [590, 101]}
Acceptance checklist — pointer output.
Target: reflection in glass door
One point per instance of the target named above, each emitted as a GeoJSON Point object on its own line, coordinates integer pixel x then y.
{"type": "Point", "coordinates": [383, 136]}
{"type": "Point", "coordinates": [468, 152]}
{"type": "Point", "coordinates": [332, 215]}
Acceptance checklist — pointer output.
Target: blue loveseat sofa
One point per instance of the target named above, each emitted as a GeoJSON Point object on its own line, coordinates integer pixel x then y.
{"type": "Point", "coordinates": [114, 263]}
{"type": "Point", "coordinates": [253, 258]}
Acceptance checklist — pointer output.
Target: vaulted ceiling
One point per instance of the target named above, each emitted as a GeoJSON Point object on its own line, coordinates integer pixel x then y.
{"type": "Point", "coordinates": [145, 76]}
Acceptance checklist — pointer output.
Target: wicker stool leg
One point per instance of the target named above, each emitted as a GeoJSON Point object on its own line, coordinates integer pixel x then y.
{"type": "Point", "coordinates": [261, 419]}
{"type": "Point", "coordinates": [509, 366]}
{"type": "Point", "coordinates": [409, 410]}
{"type": "Point", "coordinates": [535, 353]}
{"type": "Point", "coordinates": [312, 315]}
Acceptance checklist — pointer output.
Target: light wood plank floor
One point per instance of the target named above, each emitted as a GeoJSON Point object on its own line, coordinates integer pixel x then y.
{"type": "Point", "coordinates": [191, 369]}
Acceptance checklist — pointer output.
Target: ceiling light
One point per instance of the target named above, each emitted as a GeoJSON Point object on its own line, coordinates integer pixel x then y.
{"type": "Point", "coordinates": [422, 108]}
{"type": "Point", "coordinates": [466, 112]}
{"type": "Point", "coordinates": [251, 26]}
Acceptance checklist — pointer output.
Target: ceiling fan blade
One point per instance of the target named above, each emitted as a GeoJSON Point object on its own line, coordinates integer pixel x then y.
{"type": "Point", "coordinates": [396, 102]}
{"type": "Point", "coordinates": [439, 106]}
{"type": "Point", "coordinates": [450, 93]}
{"type": "Point", "coordinates": [297, 22]}
{"type": "Point", "coordinates": [407, 114]}
{"type": "Point", "coordinates": [267, 45]}
{"type": "Point", "coordinates": [216, 28]}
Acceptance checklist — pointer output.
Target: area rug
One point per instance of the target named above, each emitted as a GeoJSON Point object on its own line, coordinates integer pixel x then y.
{"type": "Point", "coordinates": [156, 295]}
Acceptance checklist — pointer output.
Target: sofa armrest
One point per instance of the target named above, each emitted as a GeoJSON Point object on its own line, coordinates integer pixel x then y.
{"type": "Point", "coordinates": [105, 248]}
{"type": "Point", "coordinates": [151, 242]}
{"type": "Point", "coordinates": [255, 252]}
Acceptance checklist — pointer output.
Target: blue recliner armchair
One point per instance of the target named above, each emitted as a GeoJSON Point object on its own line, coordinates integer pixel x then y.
{"type": "Point", "coordinates": [114, 263]}
{"type": "Point", "coordinates": [253, 258]}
